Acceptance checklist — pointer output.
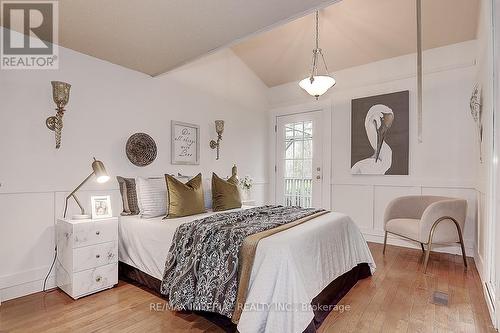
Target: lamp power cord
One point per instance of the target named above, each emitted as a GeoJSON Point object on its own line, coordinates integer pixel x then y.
{"type": "Point", "coordinates": [50, 269]}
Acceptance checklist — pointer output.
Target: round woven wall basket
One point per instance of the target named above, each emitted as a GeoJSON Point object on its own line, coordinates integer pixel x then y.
{"type": "Point", "coordinates": [141, 149]}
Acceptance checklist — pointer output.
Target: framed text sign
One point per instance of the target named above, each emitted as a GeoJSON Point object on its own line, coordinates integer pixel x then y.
{"type": "Point", "coordinates": [185, 143]}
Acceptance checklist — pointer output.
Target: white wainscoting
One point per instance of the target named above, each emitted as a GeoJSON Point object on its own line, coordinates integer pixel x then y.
{"type": "Point", "coordinates": [365, 204]}
{"type": "Point", "coordinates": [28, 226]}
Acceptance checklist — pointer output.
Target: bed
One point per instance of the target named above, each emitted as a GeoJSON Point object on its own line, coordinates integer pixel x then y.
{"type": "Point", "coordinates": [315, 262]}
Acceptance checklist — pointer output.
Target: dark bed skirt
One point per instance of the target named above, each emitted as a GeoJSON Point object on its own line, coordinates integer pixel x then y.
{"type": "Point", "coordinates": [322, 304]}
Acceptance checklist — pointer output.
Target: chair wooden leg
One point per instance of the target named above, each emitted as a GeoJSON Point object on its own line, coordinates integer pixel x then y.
{"type": "Point", "coordinates": [422, 246]}
{"type": "Point", "coordinates": [385, 242]}
{"type": "Point", "coordinates": [427, 254]}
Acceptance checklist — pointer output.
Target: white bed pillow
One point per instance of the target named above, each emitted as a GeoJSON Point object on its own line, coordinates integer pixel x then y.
{"type": "Point", "coordinates": [207, 193]}
{"type": "Point", "coordinates": [207, 188]}
{"type": "Point", "coordinates": [152, 196]}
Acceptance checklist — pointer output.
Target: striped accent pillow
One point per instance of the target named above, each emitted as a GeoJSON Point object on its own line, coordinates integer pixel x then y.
{"type": "Point", "coordinates": [129, 195]}
{"type": "Point", "coordinates": [152, 195]}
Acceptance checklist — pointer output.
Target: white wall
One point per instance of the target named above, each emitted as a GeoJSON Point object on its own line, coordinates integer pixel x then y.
{"type": "Point", "coordinates": [444, 164]}
{"type": "Point", "coordinates": [108, 103]}
{"type": "Point", "coordinates": [485, 257]}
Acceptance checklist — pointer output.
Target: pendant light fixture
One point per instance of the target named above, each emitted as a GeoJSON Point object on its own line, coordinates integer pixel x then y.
{"type": "Point", "coordinates": [316, 85]}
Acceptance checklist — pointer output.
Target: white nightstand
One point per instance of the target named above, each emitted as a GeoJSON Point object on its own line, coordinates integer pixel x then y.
{"type": "Point", "coordinates": [87, 255]}
{"type": "Point", "coordinates": [249, 203]}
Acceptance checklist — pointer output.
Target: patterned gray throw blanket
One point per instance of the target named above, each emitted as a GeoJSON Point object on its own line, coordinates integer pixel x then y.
{"type": "Point", "coordinates": [201, 272]}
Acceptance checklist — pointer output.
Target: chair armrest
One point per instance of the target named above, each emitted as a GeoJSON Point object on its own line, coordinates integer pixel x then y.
{"type": "Point", "coordinates": [454, 208]}
{"type": "Point", "coordinates": [409, 207]}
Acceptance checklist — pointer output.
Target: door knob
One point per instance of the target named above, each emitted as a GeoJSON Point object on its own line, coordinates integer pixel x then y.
{"type": "Point", "coordinates": [318, 169]}
{"type": "Point", "coordinates": [318, 177]}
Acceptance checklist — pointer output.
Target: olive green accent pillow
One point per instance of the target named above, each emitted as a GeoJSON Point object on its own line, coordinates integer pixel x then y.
{"type": "Point", "coordinates": [225, 193]}
{"type": "Point", "coordinates": [184, 199]}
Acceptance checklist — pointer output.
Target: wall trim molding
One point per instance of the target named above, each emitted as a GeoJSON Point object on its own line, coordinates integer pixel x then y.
{"type": "Point", "coordinates": [25, 283]}
{"type": "Point", "coordinates": [410, 183]}
{"type": "Point", "coordinates": [479, 261]}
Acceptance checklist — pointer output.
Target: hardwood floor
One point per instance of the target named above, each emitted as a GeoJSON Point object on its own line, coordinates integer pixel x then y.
{"type": "Point", "coordinates": [396, 299]}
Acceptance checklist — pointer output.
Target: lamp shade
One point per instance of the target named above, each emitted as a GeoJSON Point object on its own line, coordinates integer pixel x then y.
{"type": "Point", "coordinates": [100, 171]}
{"type": "Point", "coordinates": [319, 85]}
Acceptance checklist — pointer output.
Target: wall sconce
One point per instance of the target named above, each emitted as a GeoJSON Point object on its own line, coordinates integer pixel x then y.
{"type": "Point", "coordinates": [60, 95]}
{"type": "Point", "coordinates": [219, 128]}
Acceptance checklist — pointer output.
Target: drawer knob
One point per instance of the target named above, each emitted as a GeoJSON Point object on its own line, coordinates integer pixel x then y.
{"type": "Point", "coordinates": [98, 279]}
{"type": "Point", "coordinates": [97, 232]}
{"type": "Point", "coordinates": [97, 256]}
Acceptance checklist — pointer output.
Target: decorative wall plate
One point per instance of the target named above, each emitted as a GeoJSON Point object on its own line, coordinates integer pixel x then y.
{"type": "Point", "coordinates": [141, 149]}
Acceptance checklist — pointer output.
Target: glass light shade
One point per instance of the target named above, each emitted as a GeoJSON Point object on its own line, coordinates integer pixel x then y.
{"type": "Point", "coordinates": [60, 93]}
{"type": "Point", "coordinates": [219, 126]}
{"type": "Point", "coordinates": [319, 86]}
{"type": "Point", "coordinates": [100, 171]}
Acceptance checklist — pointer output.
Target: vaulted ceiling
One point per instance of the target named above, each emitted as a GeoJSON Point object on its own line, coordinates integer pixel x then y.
{"type": "Point", "coordinates": [153, 36]}
{"type": "Point", "coordinates": [356, 32]}
{"type": "Point", "coordinates": [273, 37]}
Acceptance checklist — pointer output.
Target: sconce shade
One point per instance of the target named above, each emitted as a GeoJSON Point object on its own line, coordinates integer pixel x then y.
{"type": "Point", "coordinates": [100, 171]}
{"type": "Point", "coordinates": [219, 126]}
{"type": "Point", "coordinates": [60, 93]}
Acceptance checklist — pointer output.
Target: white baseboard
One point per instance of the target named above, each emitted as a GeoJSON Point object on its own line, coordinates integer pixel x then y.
{"type": "Point", "coordinates": [479, 265]}
{"type": "Point", "coordinates": [479, 261]}
{"type": "Point", "coordinates": [378, 237]}
{"type": "Point", "coordinates": [489, 303]}
{"type": "Point", "coordinates": [26, 289]}
{"type": "Point", "coordinates": [25, 283]}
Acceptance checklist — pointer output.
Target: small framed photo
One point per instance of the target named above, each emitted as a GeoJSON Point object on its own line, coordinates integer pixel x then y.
{"type": "Point", "coordinates": [185, 143]}
{"type": "Point", "coordinates": [101, 206]}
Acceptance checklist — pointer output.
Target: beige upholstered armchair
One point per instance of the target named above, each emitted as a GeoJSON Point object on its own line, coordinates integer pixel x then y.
{"type": "Point", "coordinates": [427, 220]}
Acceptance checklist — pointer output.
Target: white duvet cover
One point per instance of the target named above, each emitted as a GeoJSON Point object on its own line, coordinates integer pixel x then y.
{"type": "Point", "coordinates": [290, 268]}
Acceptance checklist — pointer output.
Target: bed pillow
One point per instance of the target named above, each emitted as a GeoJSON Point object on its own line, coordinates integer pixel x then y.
{"type": "Point", "coordinates": [129, 196]}
{"type": "Point", "coordinates": [207, 192]}
{"type": "Point", "coordinates": [152, 195]}
{"type": "Point", "coordinates": [207, 188]}
{"type": "Point", "coordinates": [225, 193]}
{"type": "Point", "coordinates": [184, 199]}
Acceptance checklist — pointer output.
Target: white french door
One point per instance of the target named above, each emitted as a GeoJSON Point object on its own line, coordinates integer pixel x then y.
{"type": "Point", "coordinates": [299, 160]}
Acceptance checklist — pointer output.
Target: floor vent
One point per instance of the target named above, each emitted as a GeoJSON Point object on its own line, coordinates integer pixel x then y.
{"type": "Point", "coordinates": [440, 298]}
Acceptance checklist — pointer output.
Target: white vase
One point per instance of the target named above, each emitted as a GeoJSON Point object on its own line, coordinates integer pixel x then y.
{"type": "Point", "coordinates": [245, 194]}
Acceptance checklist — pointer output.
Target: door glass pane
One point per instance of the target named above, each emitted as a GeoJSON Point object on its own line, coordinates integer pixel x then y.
{"type": "Point", "coordinates": [308, 148]}
{"type": "Point", "coordinates": [289, 149]}
{"type": "Point", "coordinates": [298, 164]}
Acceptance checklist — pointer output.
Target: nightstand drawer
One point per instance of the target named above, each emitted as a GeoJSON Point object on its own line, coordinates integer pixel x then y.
{"type": "Point", "coordinates": [96, 232]}
{"type": "Point", "coordinates": [95, 255]}
{"type": "Point", "coordinates": [91, 280]}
